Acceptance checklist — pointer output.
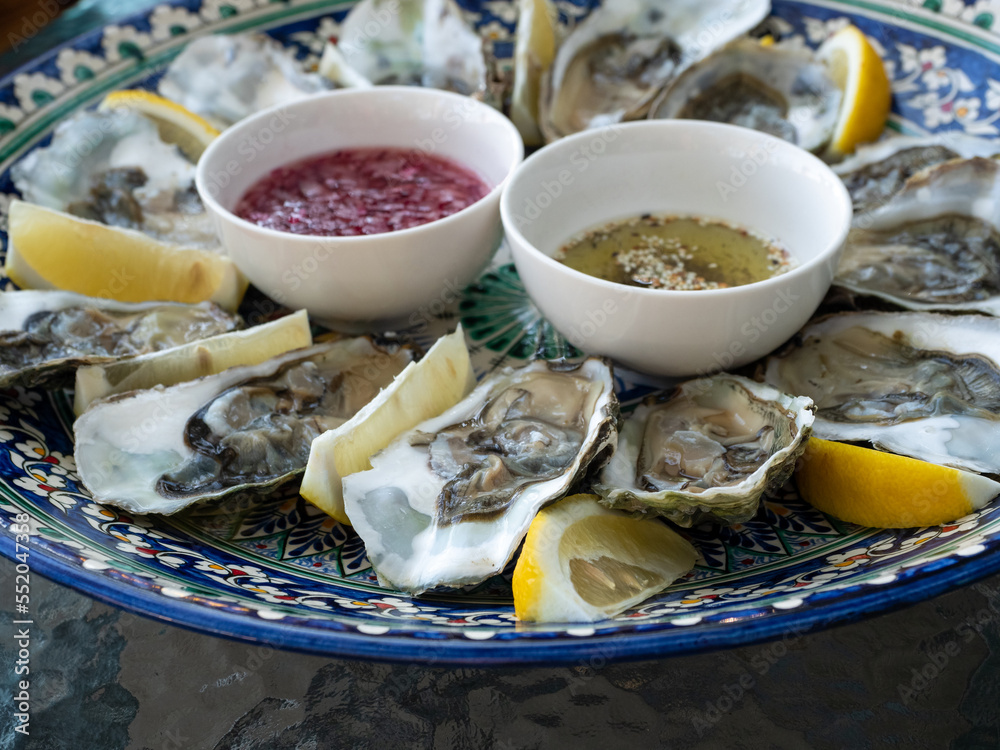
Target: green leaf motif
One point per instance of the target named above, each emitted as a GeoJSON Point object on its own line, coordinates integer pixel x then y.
{"type": "Point", "coordinates": [41, 98]}
{"type": "Point", "coordinates": [497, 312]}
{"type": "Point", "coordinates": [6, 126]}
{"type": "Point", "coordinates": [82, 73]}
{"type": "Point", "coordinates": [130, 49]}
{"type": "Point", "coordinates": [984, 21]}
{"type": "Point", "coordinates": [227, 11]}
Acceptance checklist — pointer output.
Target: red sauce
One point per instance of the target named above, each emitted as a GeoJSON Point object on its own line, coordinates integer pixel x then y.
{"type": "Point", "coordinates": [360, 191]}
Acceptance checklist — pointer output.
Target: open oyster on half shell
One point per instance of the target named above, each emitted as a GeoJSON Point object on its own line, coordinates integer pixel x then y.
{"type": "Point", "coordinates": [935, 245]}
{"type": "Point", "coordinates": [877, 171]}
{"type": "Point", "coordinates": [612, 66]}
{"type": "Point", "coordinates": [924, 385]}
{"type": "Point", "coordinates": [448, 503]}
{"type": "Point", "coordinates": [112, 166]}
{"type": "Point", "coordinates": [407, 42]}
{"type": "Point", "coordinates": [785, 92]}
{"type": "Point", "coordinates": [246, 428]}
{"type": "Point", "coordinates": [710, 449]}
{"type": "Point", "coordinates": [226, 77]}
{"type": "Point", "coordinates": [47, 334]}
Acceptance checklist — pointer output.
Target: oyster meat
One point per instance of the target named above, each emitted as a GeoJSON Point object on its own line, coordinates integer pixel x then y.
{"type": "Point", "coordinates": [407, 42]}
{"type": "Point", "coordinates": [111, 166]}
{"type": "Point", "coordinates": [877, 171]}
{"type": "Point", "coordinates": [448, 503]}
{"type": "Point", "coordinates": [784, 92]}
{"type": "Point", "coordinates": [709, 449]}
{"type": "Point", "coordinates": [935, 245]}
{"type": "Point", "coordinates": [250, 427]}
{"type": "Point", "coordinates": [48, 334]}
{"type": "Point", "coordinates": [226, 77]}
{"type": "Point", "coordinates": [921, 384]}
{"type": "Point", "coordinates": [612, 66]}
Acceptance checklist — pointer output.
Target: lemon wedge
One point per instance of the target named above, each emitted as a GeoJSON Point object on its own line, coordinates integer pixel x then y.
{"type": "Point", "coordinates": [195, 360]}
{"type": "Point", "coordinates": [50, 249]}
{"type": "Point", "coordinates": [423, 390]}
{"type": "Point", "coordinates": [858, 70]}
{"type": "Point", "coordinates": [872, 488]}
{"type": "Point", "coordinates": [534, 51]}
{"type": "Point", "coordinates": [191, 133]}
{"type": "Point", "coordinates": [582, 562]}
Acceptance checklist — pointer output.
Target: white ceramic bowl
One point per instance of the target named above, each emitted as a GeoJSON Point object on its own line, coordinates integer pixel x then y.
{"type": "Point", "coordinates": [382, 279]}
{"type": "Point", "coordinates": [689, 168]}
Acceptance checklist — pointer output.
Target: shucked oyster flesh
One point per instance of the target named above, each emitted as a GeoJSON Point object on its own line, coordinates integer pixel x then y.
{"type": "Point", "coordinates": [921, 384]}
{"type": "Point", "coordinates": [935, 245]}
{"type": "Point", "coordinates": [611, 67]}
{"type": "Point", "coordinates": [708, 450]}
{"type": "Point", "coordinates": [877, 171]}
{"type": "Point", "coordinates": [111, 166]}
{"type": "Point", "coordinates": [447, 503]}
{"type": "Point", "coordinates": [48, 334]}
{"type": "Point", "coordinates": [784, 92]}
{"type": "Point", "coordinates": [418, 42]}
{"type": "Point", "coordinates": [250, 427]}
{"type": "Point", "coordinates": [226, 77]}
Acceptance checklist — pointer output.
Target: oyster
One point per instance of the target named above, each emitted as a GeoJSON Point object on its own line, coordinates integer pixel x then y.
{"type": "Point", "coordinates": [877, 171]}
{"type": "Point", "coordinates": [447, 503]}
{"type": "Point", "coordinates": [785, 92]}
{"type": "Point", "coordinates": [921, 384]}
{"type": "Point", "coordinates": [409, 42]}
{"type": "Point", "coordinates": [612, 66]}
{"type": "Point", "coordinates": [935, 245]}
{"type": "Point", "coordinates": [48, 334]}
{"type": "Point", "coordinates": [225, 78]}
{"type": "Point", "coordinates": [709, 449]}
{"type": "Point", "coordinates": [250, 427]}
{"type": "Point", "coordinates": [111, 166]}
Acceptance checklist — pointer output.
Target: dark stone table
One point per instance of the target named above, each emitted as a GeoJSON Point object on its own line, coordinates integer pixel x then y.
{"type": "Point", "coordinates": [927, 676]}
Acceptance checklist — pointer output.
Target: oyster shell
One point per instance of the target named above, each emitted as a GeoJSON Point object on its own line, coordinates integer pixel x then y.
{"type": "Point", "coordinates": [921, 384]}
{"type": "Point", "coordinates": [935, 245]}
{"type": "Point", "coordinates": [226, 77]}
{"type": "Point", "coordinates": [250, 427]}
{"type": "Point", "coordinates": [111, 166]}
{"type": "Point", "coordinates": [447, 503]}
{"type": "Point", "coordinates": [409, 42]}
{"type": "Point", "coordinates": [48, 334]}
{"type": "Point", "coordinates": [709, 449]}
{"type": "Point", "coordinates": [877, 171]}
{"type": "Point", "coordinates": [612, 66]}
{"type": "Point", "coordinates": [784, 92]}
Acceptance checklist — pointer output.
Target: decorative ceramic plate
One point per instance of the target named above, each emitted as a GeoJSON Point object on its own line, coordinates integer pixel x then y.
{"type": "Point", "coordinates": [278, 571]}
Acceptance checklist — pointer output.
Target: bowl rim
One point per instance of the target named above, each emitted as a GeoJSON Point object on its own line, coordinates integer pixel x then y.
{"type": "Point", "coordinates": [568, 142]}
{"type": "Point", "coordinates": [415, 92]}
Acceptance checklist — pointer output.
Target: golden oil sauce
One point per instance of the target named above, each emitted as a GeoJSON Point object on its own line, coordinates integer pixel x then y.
{"type": "Point", "coordinates": [674, 252]}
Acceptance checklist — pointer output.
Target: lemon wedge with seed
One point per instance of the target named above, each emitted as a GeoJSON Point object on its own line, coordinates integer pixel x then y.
{"type": "Point", "coordinates": [423, 390]}
{"type": "Point", "coordinates": [857, 69]}
{"type": "Point", "coordinates": [191, 133]}
{"type": "Point", "coordinates": [50, 249]}
{"type": "Point", "coordinates": [195, 360]}
{"type": "Point", "coordinates": [873, 488]}
{"type": "Point", "coordinates": [582, 562]}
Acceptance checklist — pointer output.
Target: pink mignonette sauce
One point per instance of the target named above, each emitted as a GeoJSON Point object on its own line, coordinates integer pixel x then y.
{"type": "Point", "coordinates": [360, 191]}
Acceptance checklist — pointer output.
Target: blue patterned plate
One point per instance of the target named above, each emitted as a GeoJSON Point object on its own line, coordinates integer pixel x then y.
{"type": "Point", "coordinates": [278, 571]}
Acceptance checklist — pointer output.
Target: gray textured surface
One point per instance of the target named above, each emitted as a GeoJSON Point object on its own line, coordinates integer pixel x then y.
{"type": "Point", "coordinates": [106, 679]}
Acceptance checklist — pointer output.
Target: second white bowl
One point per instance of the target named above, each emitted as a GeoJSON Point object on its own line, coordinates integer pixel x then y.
{"type": "Point", "coordinates": [683, 167]}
